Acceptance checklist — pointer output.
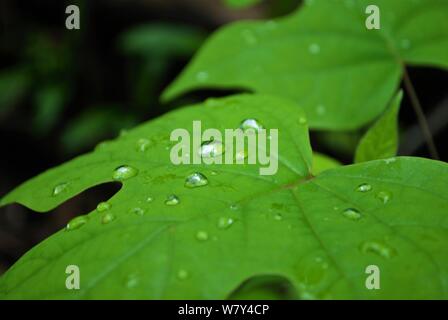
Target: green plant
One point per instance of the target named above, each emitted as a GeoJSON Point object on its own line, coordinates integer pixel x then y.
{"type": "Point", "coordinates": [315, 224]}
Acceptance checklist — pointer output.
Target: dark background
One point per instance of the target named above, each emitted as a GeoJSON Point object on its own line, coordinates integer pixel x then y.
{"type": "Point", "coordinates": [62, 92]}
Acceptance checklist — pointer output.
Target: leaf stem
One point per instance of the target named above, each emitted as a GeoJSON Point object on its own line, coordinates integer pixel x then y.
{"type": "Point", "coordinates": [415, 102]}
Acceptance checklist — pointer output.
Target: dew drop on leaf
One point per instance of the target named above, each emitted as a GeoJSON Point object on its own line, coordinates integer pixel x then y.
{"type": "Point", "coordinates": [352, 214]}
{"type": "Point", "coordinates": [202, 76]}
{"type": "Point", "coordinates": [60, 188]}
{"type": "Point", "coordinates": [76, 223]}
{"type": "Point", "coordinates": [142, 145]}
{"type": "Point", "coordinates": [107, 218]}
{"type": "Point", "coordinates": [132, 281]}
{"type": "Point", "coordinates": [202, 235]}
{"type": "Point", "coordinates": [234, 207]}
{"type": "Point", "coordinates": [278, 217]}
{"type": "Point", "coordinates": [182, 274]}
{"type": "Point", "coordinates": [251, 124]}
{"type": "Point", "coordinates": [224, 222]}
{"type": "Point", "coordinates": [249, 37]}
{"type": "Point", "coordinates": [137, 211]}
{"type": "Point", "coordinates": [364, 187]}
{"type": "Point", "coordinates": [124, 172]}
{"type": "Point", "coordinates": [103, 206]}
{"type": "Point", "coordinates": [149, 199]}
{"type": "Point", "coordinates": [314, 48]}
{"type": "Point", "coordinates": [196, 179]}
{"type": "Point", "coordinates": [172, 200]}
{"type": "Point", "coordinates": [384, 196]}
{"type": "Point", "coordinates": [211, 149]}
{"type": "Point", "coordinates": [302, 120]}
{"type": "Point", "coordinates": [378, 248]}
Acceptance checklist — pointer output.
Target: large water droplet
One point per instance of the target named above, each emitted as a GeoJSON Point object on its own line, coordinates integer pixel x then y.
{"type": "Point", "coordinates": [196, 179]}
{"type": "Point", "coordinates": [182, 274]}
{"type": "Point", "coordinates": [378, 248]}
{"type": "Point", "coordinates": [251, 124]}
{"type": "Point", "coordinates": [352, 214]}
{"type": "Point", "coordinates": [224, 222]}
{"type": "Point", "coordinates": [142, 145]}
{"type": "Point", "coordinates": [77, 223]}
{"type": "Point", "coordinates": [202, 235]}
{"type": "Point", "coordinates": [124, 172]}
{"type": "Point", "coordinates": [384, 196]}
{"type": "Point", "coordinates": [211, 149]}
{"type": "Point", "coordinates": [172, 200]}
{"type": "Point", "coordinates": [60, 188]}
{"type": "Point", "coordinates": [107, 218]}
{"type": "Point", "coordinates": [103, 206]}
{"type": "Point", "coordinates": [364, 187]}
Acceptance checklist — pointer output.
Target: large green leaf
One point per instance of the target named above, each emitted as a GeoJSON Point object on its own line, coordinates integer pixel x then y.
{"type": "Point", "coordinates": [290, 225]}
{"type": "Point", "coordinates": [381, 140]}
{"type": "Point", "coordinates": [323, 57]}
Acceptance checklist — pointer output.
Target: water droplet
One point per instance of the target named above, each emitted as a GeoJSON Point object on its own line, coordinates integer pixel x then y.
{"type": "Point", "coordinates": [212, 102]}
{"type": "Point", "coordinates": [142, 145]}
{"type": "Point", "coordinates": [352, 214]}
{"type": "Point", "coordinates": [76, 223]}
{"type": "Point", "coordinates": [249, 37]}
{"type": "Point", "coordinates": [224, 222]}
{"type": "Point", "coordinates": [378, 248]}
{"type": "Point", "coordinates": [202, 76]}
{"type": "Point", "coordinates": [214, 173]}
{"type": "Point", "coordinates": [137, 211]}
{"type": "Point", "coordinates": [234, 207]}
{"type": "Point", "coordinates": [132, 281]}
{"type": "Point", "coordinates": [314, 48]}
{"type": "Point", "coordinates": [211, 149]}
{"type": "Point", "coordinates": [172, 200]}
{"type": "Point", "coordinates": [302, 120]}
{"type": "Point", "coordinates": [390, 160]}
{"type": "Point", "coordinates": [384, 196]}
{"type": "Point", "coordinates": [60, 188]}
{"type": "Point", "coordinates": [103, 206]}
{"type": "Point", "coordinates": [182, 274]}
{"type": "Point", "coordinates": [364, 187]}
{"type": "Point", "coordinates": [149, 199]}
{"type": "Point", "coordinates": [108, 217]}
{"type": "Point", "coordinates": [252, 124]}
{"type": "Point", "coordinates": [196, 179]}
{"type": "Point", "coordinates": [241, 155]}
{"type": "Point", "coordinates": [321, 109]}
{"type": "Point", "coordinates": [202, 235]}
{"type": "Point", "coordinates": [278, 217]}
{"type": "Point", "coordinates": [124, 172]}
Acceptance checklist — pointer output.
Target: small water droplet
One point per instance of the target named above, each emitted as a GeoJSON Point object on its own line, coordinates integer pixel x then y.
{"type": "Point", "coordinates": [314, 48]}
{"type": "Point", "coordinates": [214, 173]}
{"type": "Point", "coordinates": [142, 145]}
{"type": "Point", "coordinates": [137, 211]}
{"type": "Point", "coordinates": [241, 155]}
{"type": "Point", "coordinates": [224, 222]}
{"type": "Point", "coordinates": [249, 37]}
{"type": "Point", "coordinates": [202, 235]}
{"type": "Point", "coordinates": [390, 160]}
{"type": "Point", "coordinates": [76, 223]}
{"type": "Point", "coordinates": [278, 217]}
{"type": "Point", "coordinates": [172, 200]}
{"type": "Point", "coordinates": [182, 274]}
{"type": "Point", "coordinates": [108, 217]}
{"type": "Point", "coordinates": [149, 199]}
{"type": "Point", "coordinates": [384, 196]}
{"type": "Point", "coordinates": [132, 281]}
{"type": "Point", "coordinates": [352, 214]}
{"type": "Point", "coordinates": [364, 187]}
{"type": "Point", "coordinates": [196, 179]}
{"type": "Point", "coordinates": [378, 248]}
{"type": "Point", "coordinates": [202, 76]}
{"type": "Point", "coordinates": [211, 149]}
{"type": "Point", "coordinates": [251, 124]}
{"type": "Point", "coordinates": [234, 207]}
{"type": "Point", "coordinates": [302, 120]}
{"type": "Point", "coordinates": [103, 206]}
{"type": "Point", "coordinates": [321, 109]}
{"type": "Point", "coordinates": [60, 188]}
{"type": "Point", "coordinates": [124, 172]}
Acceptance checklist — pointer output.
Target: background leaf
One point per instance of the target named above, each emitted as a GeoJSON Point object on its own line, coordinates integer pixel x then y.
{"type": "Point", "coordinates": [317, 233]}
{"type": "Point", "coordinates": [381, 140]}
{"type": "Point", "coordinates": [323, 57]}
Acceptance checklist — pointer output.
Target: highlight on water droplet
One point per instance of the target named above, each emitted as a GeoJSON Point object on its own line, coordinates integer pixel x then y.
{"type": "Point", "coordinates": [352, 214]}
{"type": "Point", "coordinates": [77, 223]}
{"type": "Point", "coordinates": [103, 206]}
{"type": "Point", "coordinates": [378, 248]}
{"type": "Point", "coordinates": [182, 274]}
{"type": "Point", "coordinates": [142, 144]}
{"type": "Point", "coordinates": [124, 172]}
{"type": "Point", "coordinates": [107, 218]}
{"type": "Point", "coordinates": [137, 211]}
{"type": "Point", "coordinates": [224, 222]}
{"type": "Point", "coordinates": [60, 188]}
{"type": "Point", "coordinates": [364, 187]}
{"type": "Point", "coordinates": [196, 179]}
{"type": "Point", "coordinates": [251, 124]}
{"type": "Point", "coordinates": [211, 149]}
{"type": "Point", "coordinates": [202, 235]}
{"type": "Point", "coordinates": [384, 196]}
{"type": "Point", "coordinates": [172, 200]}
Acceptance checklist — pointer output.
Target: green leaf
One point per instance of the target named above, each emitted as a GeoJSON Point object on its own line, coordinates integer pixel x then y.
{"type": "Point", "coordinates": [289, 225]}
{"type": "Point", "coordinates": [13, 86]}
{"type": "Point", "coordinates": [322, 163]}
{"type": "Point", "coordinates": [323, 57]}
{"type": "Point", "coordinates": [381, 140]}
{"type": "Point", "coordinates": [240, 4]}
